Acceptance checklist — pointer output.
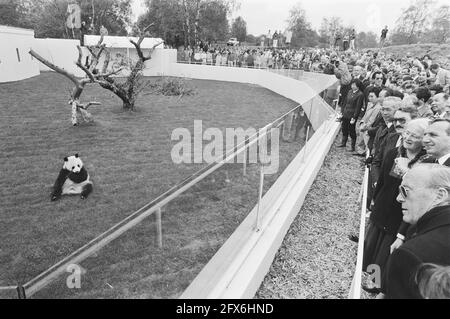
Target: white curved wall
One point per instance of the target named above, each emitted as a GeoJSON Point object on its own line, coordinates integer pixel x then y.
{"type": "Point", "coordinates": [296, 90]}
{"type": "Point", "coordinates": [61, 52]}
{"type": "Point", "coordinates": [15, 62]}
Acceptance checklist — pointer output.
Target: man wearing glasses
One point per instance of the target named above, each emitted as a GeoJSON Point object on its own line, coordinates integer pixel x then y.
{"type": "Point", "coordinates": [402, 117]}
{"type": "Point", "coordinates": [425, 198]}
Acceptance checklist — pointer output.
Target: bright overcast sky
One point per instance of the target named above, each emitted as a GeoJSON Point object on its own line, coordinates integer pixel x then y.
{"type": "Point", "coordinates": [365, 15]}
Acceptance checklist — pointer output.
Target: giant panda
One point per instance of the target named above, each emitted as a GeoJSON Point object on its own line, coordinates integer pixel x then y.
{"type": "Point", "coordinates": [73, 179]}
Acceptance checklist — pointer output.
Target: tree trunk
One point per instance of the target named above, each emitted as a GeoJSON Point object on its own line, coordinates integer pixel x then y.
{"type": "Point", "coordinates": [197, 20]}
{"type": "Point", "coordinates": [187, 22]}
{"type": "Point", "coordinates": [128, 106]}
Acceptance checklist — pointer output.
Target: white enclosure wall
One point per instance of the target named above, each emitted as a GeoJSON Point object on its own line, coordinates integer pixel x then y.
{"type": "Point", "coordinates": [15, 62]}
{"type": "Point", "coordinates": [297, 90]}
{"type": "Point", "coordinates": [61, 52]}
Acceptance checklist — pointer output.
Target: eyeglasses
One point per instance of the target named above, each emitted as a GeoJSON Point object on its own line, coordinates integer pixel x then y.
{"type": "Point", "coordinates": [403, 191]}
{"type": "Point", "coordinates": [400, 120]}
{"type": "Point", "coordinates": [378, 78]}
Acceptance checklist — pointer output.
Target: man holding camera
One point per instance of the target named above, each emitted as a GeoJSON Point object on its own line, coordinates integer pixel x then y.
{"type": "Point", "coordinates": [343, 74]}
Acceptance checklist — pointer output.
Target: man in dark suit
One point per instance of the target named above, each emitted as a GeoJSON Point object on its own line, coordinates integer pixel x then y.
{"type": "Point", "coordinates": [425, 198]}
{"type": "Point", "coordinates": [437, 142]}
{"type": "Point", "coordinates": [378, 79]}
{"type": "Point", "coordinates": [388, 110]}
{"type": "Point", "coordinates": [402, 117]}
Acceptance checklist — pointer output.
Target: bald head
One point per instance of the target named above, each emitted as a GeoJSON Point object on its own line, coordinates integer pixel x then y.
{"type": "Point", "coordinates": [429, 175]}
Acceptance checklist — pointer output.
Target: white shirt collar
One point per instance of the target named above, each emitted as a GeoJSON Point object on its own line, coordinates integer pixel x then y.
{"type": "Point", "coordinates": [399, 142]}
{"type": "Point", "coordinates": [443, 159]}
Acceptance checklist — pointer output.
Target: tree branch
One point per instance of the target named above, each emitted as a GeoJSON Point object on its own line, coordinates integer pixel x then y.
{"type": "Point", "coordinates": [55, 68]}
{"type": "Point", "coordinates": [106, 62]}
{"type": "Point", "coordinates": [87, 71]}
{"type": "Point", "coordinates": [139, 50]}
{"type": "Point", "coordinates": [105, 75]}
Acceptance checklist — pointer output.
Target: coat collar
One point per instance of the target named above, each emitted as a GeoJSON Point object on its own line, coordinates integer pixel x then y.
{"type": "Point", "coordinates": [435, 218]}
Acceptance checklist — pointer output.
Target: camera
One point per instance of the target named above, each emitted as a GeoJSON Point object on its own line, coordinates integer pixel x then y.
{"type": "Point", "coordinates": [335, 63]}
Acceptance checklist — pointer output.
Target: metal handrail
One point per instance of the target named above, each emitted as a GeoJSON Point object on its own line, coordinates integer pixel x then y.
{"type": "Point", "coordinates": [355, 289]}
{"type": "Point", "coordinates": [241, 67]}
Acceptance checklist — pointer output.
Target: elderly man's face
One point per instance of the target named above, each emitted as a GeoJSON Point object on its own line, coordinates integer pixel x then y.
{"type": "Point", "coordinates": [388, 111]}
{"type": "Point", "coordinates": [436, 139]}
{"type": "Point", "coordinates": [415, 196]}
{"type": "Point", "coordinates": [356, 71]}
{"type": "Point", "coordinates": [439, 103]}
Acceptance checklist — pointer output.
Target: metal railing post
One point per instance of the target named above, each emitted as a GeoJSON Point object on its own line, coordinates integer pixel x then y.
{"type": "Point", "coordinates": [261, 188]}
{"type": "Point", "coordinates": [244, 172]}
{"type": "Point", "coordinates": [306, 144]}
{"type": "Point", "coordinates": [158, 227]}
{"type": "Point", "coordinates": [21, 292]}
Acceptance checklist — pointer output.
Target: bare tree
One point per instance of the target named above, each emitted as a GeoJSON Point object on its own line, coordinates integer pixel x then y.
{"type": "Point", "coordinates": [187, 24]}
{"type": "Point", "coordinates": [77, 106]}
{"type": "Point", "coordinates": [127, 90]}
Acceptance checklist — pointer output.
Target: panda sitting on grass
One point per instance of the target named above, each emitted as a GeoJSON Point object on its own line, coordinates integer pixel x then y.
{"type": "Point", "coordinates": [73, 179]}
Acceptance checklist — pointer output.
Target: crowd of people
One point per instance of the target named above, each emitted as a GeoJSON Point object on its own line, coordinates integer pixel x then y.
{"type": "Point", "coordinates": [398, 112]}
{"type": "Point", "coordinates": [248, 57]}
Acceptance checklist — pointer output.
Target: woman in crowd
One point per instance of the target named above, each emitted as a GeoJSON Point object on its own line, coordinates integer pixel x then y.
{"type": "Point", "coordinates": [351, 111]}
{"type": "Point", "coordinates": [386, 217]}
{"type": "Point", "coordinates": [372, 111]}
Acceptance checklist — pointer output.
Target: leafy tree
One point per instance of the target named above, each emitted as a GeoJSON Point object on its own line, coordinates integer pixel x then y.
{"type": "Point", "coordinates": [48, 17]}
{"type": "Point", "coordinates": [366, 40]}
{"type": "Point", "coordinates": [441, 24]}
{"type": "Point", "coordinates": [188, 21]}
{"type": "Point", "coordinates": [9, 12]}
{"type": "Point", "coordinates": [302, 33]}
{"type": "Point", "coordinates": [239, 29]}
{"type": "Point", "coordinates": [165, 18]}
{"type": "Point", "coordinates": [251, 39]}
{"type": "Point", "coordinates": [413, 22]}
{"type": "Point", "coordinates": [329, 28]}
{"type": "Point", "coordinates": [213, 24]}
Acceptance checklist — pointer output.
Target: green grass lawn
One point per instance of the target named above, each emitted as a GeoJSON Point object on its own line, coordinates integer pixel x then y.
{"type": "Point", "coordinates": [128, 158]}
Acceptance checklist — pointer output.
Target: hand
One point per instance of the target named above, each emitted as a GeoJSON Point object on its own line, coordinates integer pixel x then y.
{"type": "Point", "coordinates": [54, 198]}
{"type": "Point", "coordinates": [380, 296]}
{"type": "Point", "coordinates": [397, 243]}
{"type": "Point", "coordinates": [352, 121]}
